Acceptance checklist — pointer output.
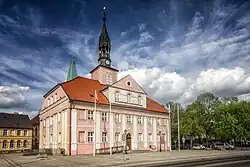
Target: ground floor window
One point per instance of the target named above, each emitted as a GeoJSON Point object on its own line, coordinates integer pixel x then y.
{"type": "Point", "coordinates": [12, 144]}
{"type": "Point", "coordinates": [104, 136]}
{"type": "Point", "coordinates": [18, 144]}
{"type": "Point", "coordinates": [25, 143]}
{"type": "Point", "coordinates": [90, 136]}
{"type": "Point", "coordinates": [117, 135]}
{"type": "Point", "coordinates": [5, 143]}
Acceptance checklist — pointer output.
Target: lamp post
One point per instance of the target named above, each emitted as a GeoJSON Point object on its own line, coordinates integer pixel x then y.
{"type": "Point", "coordinates": [160, 139]}
{"type": "Point", "coordinates": [124, 138]}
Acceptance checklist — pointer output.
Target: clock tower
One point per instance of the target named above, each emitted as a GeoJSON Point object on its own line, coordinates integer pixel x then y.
{"type": "Point", "coordinates": [104, 72]}
{"type": "Point", "coordinates": [104, 46]}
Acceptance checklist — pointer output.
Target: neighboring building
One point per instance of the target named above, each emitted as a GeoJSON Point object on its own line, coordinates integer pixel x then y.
{"type": "Point", "coordinates": [15, 132]}
{"type": "Point", "coordinates": [35, 132]}
{"type": "Point", "coordinates": [66, 117]}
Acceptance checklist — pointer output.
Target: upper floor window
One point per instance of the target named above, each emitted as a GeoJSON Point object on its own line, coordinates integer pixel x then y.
{"type": "Point", "coordinates": [117, 118]}
{"type": "Point", "coordinates": [140, 120]}
{"type": "Point", "coordinates": [90, 114]}
{"type": "Point", "coordinates": [139, 100]}
{"type": "Point", "coordinates": [109, 78]}
{"type": "Point", "coordinates": [104, 116]}
{"type": "Point", "coordinates": [159, 121]}
{"type": "Point", "coordinates": [5, 132]}
{"type": "Point", "coordinates": [129, 118]}
{"type": "Point", "coordinates": [117, 96]}
{"type": "Point", "coordinates": [128, 97]}
{"type": "Point", "coordinates": [25, 133]}
{"type": "Point", "coordinates": [150, 121]}
{"type": "Point", "coordinates": [18, 132]}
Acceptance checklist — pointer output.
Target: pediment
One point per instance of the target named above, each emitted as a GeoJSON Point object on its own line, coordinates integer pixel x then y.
{"type": "Point", "coordinates": [128, 83]}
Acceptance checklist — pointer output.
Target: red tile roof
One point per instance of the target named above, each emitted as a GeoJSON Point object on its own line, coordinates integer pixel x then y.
{"type": "Point", "coordinates": [83, 89]}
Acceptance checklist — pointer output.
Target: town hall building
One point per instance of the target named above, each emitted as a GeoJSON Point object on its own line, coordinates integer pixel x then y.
{"type": "Point", "coordinates": [86, 115]}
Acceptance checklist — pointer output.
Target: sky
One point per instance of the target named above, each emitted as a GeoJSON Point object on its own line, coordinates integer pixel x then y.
{"type": "Point", "coordinates": [175, 49]}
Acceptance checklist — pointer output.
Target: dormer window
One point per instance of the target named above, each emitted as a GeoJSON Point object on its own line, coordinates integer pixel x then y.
{"type": "Point", "coordinates": [117, 96]}
{"type": "Point", "coordinates": [128, 97]}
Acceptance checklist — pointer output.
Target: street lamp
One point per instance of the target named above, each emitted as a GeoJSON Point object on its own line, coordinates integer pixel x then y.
{"type": "Point", "coordinates": [160, 139]}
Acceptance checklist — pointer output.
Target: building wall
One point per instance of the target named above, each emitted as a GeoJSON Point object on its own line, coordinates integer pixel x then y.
{"type": "Point", "coordinates": [101, 74]}
{"type": "Point", "coordinates": [25, 137]}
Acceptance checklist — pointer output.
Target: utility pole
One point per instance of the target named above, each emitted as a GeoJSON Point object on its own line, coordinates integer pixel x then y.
{"type": "Point", "coordinates": [178, 119]}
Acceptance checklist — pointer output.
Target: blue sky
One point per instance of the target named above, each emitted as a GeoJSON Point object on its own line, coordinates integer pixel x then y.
{"type": "Point", "coordinates": [175, 49]}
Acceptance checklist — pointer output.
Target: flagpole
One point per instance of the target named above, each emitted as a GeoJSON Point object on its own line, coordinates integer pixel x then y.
{"type": "Point", "coordinates": [94, 121]}
{"type": "Point", "coordinates": [110, 123]}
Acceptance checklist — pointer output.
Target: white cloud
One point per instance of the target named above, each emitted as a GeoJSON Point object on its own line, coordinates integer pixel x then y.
{"type": "Point", "coordinates": [165, 86]}
{"type": "Point", "coordinates": [12, 96]}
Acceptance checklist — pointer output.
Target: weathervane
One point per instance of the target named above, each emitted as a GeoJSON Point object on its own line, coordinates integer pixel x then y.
{"type": "Point", "coordinates": [104, 14]}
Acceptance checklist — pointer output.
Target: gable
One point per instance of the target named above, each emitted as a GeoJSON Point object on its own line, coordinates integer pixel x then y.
{"type": "Point", "coordinates": [128, 83]}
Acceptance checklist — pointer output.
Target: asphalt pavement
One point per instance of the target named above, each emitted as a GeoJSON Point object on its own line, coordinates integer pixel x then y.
{"type": "Point", "coordinates": [239, 161]}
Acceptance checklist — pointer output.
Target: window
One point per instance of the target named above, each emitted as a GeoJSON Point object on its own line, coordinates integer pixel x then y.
{"type": "Point", "coordinates": [18, 132]}
{"type": "Point", "coordinates": [59, 117]}
{"type": "Point", "coordinates": [128, 97]}
{"type": "Point", "coordinates": [18, 144]}
{"type": "Point", "coordinates": [109, 78]}
{"type": "Point", "coordinates": [140, 120]}
{"type": "Point", "coordinates": [104, 116]}
{"type": "Point", "coordinates": [36, 131]}
{"type": "Point", "coordinates": [139, 100]}
{"type": "Point", "coordinates": [158, 121]}
{"type": "Point", "coordinates": [5, 132]}
{"type": "Point", "coordinates": [12, 132]}
{"type": "Point", "coordinates": [55, 97]}
{"type": "Point", "coordinates": [12, 144]}
{"type": "Point", "coordinates": [150, 137]}
{"type": "Point", "coordinates": [90, 136]}
{"type": "Point", "coordinates": [104, 136]}
{"type": "Point", "coordinates": [140, 137]}
{"type": "Point", "coordinates": [150, 121]}
{"type": "Point", "coordinates": [81, 136]}
{"type": "Point", "coordinates": [25, 143]}
{"type": "Point", "coordinates": [51, 138]}
{"type": "Point", "coordinates": [117, 135]}
{"type": "Point", "coordinates": [5, 143]}
{"type": "Point", "coordinates": [117, 96]}
{"type": "Point", "coordinates": [117, 118]}
{"type": "Point", "coordinates": [59, 137]}
{"type": "Point", "coordinates": [90, 114]}
{"type": "Point", "coordinates": [129, 118]}
{"type": "Point", "coordinates": [51, 120]}
{"type": "Point", "coordinates": [25, 133]}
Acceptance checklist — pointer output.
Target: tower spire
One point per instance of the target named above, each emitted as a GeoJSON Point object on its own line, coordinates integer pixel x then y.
{"type": "Point", "coordinates": [72, 73]}
{"type": "Point", "coordinates": [104, 44]}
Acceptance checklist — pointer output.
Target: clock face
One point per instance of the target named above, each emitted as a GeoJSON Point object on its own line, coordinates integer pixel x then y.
{"type": "Point", "coordinates": [107, 62]}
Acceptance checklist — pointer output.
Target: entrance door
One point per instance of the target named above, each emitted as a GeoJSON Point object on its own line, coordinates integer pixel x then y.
{"type": "Point", "coordinates": [128, 141]}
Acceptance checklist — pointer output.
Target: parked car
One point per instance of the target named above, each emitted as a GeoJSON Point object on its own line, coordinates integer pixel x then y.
{"type": "Point", "coordinates": [198, 147]}
{"type": "Point", "coordinates": [222, 146]}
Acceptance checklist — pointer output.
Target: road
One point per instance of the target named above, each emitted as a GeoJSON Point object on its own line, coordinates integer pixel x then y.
{"type": "Point", "coordinates": [240, 161]}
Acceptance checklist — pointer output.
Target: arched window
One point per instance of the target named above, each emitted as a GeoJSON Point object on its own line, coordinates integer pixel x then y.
{"type": "Point", "coordinates": [117, 96]}
{"type": "Point", "coordinates": [12, 144]}
{"type": "Point", "coordinates": [18, 144]}
{"type": "Point", "coordinates": [5, 143]}
{"type": "Point", "coordinates": [128, 97]}
{"type": "Point", "coordinates": [25, 143]}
